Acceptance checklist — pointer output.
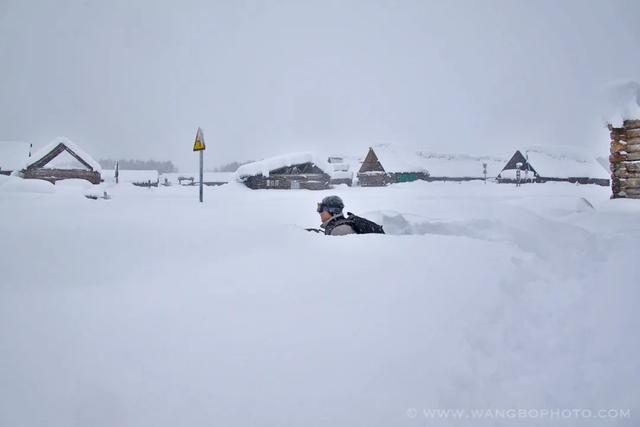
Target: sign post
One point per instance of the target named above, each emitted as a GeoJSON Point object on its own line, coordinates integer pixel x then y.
{"type": "Point", "coordinates": [198, 145]}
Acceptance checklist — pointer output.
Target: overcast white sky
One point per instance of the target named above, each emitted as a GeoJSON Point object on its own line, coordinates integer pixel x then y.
{"type": "Point", "coordinates": [136, 78]}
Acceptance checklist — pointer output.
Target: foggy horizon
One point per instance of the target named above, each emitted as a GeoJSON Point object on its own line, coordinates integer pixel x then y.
{"type": "Point", "coordinates": [136, 81]}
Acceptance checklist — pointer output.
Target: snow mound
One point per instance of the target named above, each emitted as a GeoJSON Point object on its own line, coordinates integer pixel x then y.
{"type": "Point", "coordinates": [462, 165]}
{"type": "Point", "coordinates": [583, 205]}
{"type": "Point", "coordinates": [622, 102]}
{"type": "Point", "coordinates": [19, 185]}
{"type": "Point", "coordinates": [74, 184]}
{"type": "Point", "coordinates": [264, 167]}
{"type": "Point", "coordinates": [512, 225]}
{"type": "Point", "coordinates": [4, 179]}
{"type": "Point", "coordinates": [399, 159]}
{"type": "Point", "coordinates": [130, 176]}
{"type": "Point", "coordinates": [490, 299]}
{"type": "Point", "coordinates": [564, 161]}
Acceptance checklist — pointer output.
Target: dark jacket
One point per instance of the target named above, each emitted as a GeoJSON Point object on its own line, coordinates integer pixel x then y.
{"type": "Point", "coordinates": [337, 225]}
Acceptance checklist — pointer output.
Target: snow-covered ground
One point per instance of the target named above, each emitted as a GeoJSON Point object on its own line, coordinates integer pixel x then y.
{"type": "Point", "coordinates": [129, 176]}
{"type": "Point", "coordinates": [151, 309]}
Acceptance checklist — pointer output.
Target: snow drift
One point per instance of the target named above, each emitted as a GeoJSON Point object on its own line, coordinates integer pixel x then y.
{"type": "Point", "coordinates": [155, 310]}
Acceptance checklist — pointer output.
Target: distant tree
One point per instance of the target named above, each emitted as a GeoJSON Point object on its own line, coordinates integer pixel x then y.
{"type": "Point", "coordinates": [230, 167]}
{"type": "Point", "coordinates": [161, 166]}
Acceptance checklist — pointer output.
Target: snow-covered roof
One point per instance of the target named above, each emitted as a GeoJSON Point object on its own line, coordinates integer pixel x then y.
{"type": "Point", "coordinates": [564, 162]}
{"type": "Point", "coordinates": [13, 154]}
{"type": "Point", "coordinates": [462, 165]}
{"type": "Point", "coordinates": [53, 144]}
{"type": "Point", "coordinates": [352, 162]}
{"type": "Point", "coordinates": [264, 167]}
{"type": "Point", "coordinates": [622, 102]}
{"type": "Point", "coordinates": [342, 175]}
{"type": "Point", "coordinates": [398, 159]}
{"type": "Point", "coordinates": [340, 167]}
{"type": "Point", "coordinates": [127, 175]}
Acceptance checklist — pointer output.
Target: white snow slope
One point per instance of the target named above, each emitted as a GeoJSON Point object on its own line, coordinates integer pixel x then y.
{"type": "Point", "coordinates": [564, 162]}
{"type": "Point", "coordinates": [151, 309]}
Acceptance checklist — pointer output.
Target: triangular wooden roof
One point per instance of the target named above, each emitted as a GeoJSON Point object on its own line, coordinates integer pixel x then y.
{"type": "Point", "coordinates": [519, 158]}
{"type": "Point", "coordinates": [55, 152]}
{"type": "Point", "coordinates": [371, 163]}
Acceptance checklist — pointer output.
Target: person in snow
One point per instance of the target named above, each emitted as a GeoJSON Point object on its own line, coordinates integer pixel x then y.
{"type": "Point", "coordinates": [333, 221]}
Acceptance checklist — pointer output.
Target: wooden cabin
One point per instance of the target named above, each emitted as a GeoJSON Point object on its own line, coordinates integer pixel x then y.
{"type": "Point", "coordinates": [297, 171]}
{"type": "Point", "coordinates": [554, 164]}
{"type": "Point", "coordinates": [79, 165]}
{"type": "Point", "coordinates": [394, 165]}
{"type": "Point", "coordinates": [372, 173]}
{"type": "Point", "coordinates": [508, 174]}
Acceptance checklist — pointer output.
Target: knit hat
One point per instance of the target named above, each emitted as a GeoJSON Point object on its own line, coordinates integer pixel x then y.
{"type": "Point", "coordinates": [331, 204]}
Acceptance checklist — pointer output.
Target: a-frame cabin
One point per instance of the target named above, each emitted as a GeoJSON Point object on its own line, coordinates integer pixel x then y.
{"type": "Point", "coordinates": [38, 166]}
{"type": "Point", "coordinates": [371, 173]}
{"type": "Point", "coordinates": [508, 171]}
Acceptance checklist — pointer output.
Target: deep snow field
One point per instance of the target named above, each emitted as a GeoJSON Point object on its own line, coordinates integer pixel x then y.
{"type": "Point", "coordinates": [151, 309]}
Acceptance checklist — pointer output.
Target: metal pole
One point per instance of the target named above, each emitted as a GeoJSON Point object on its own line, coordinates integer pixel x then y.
{"type": "Point", "coordinates": [201, 172]}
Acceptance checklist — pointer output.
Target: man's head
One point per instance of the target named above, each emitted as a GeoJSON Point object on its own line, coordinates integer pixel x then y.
{"type": "Point", "coordinates": [329, 207]}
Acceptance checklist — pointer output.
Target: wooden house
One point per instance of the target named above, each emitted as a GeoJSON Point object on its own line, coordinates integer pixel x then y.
{"type": "Point", "coordinates": [554, 164]}
{"type": "Point", "coordinates": [61, 159]}
{"type": "Point", "coordinates": [388, 165]}
{"type": "Point", "coordinates": [518, 161]}
{"type": "Point", "coordinates": [372, 173]}
{"type": "Point", "coordinates": [289, 172]}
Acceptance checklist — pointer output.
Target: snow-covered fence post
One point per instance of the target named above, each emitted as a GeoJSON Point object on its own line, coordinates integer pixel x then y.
{"type": "Point", "coordinates": [625, 160]}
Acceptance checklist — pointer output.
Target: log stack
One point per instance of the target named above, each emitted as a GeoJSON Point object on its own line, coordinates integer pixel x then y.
{"type": "Point", "coordinates": [625, 160]}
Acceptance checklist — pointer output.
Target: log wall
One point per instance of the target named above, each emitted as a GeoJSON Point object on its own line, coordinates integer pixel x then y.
{"type": "Point", "coordinates": [624, 160]}
{"type": "Point", "coordinates": [53, 175]}
{"type": "Point", "coordinates": [284, 182]}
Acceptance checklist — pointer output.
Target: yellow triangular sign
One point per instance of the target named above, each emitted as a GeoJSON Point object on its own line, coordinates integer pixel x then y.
{"type": "Point", "coordinates": [198, 145]}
